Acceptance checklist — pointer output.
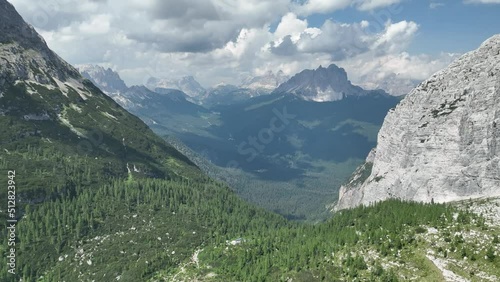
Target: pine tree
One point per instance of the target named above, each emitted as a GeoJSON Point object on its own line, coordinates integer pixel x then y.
{"type": "Point", "coordinates": [490, 254]}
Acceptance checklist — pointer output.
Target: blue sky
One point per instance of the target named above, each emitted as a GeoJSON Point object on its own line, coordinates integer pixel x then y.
{"type": "Point", "coordinates": [450, 26]}
{"type": "Point", "coordinates": [378, 42]}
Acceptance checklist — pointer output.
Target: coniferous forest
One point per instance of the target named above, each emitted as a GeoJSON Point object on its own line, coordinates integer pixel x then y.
{"type": "Point", "coordinates": [88, 192]}
{"type": "Point", "coordinates": [86, 218]}
{"type": "Point", "coordinates": [150, 229]}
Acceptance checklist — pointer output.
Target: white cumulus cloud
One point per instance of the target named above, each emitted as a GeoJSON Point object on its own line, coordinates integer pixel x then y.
{"type": "Point", "coordinates": [227, 40]}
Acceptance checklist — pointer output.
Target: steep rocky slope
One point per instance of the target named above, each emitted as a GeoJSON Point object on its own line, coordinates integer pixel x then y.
{"type": "Point", "coordinates": [25, 53]}
{"type": "Point", "coordinates": [441, 142]}
{"type": "Point", "coordinates": [48, 111]}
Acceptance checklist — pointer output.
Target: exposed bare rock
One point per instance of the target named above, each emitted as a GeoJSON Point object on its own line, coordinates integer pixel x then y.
{"type": "Point", "coordinates": [24, 55]}
{"type": "Point", "coordinates": [442, 142]}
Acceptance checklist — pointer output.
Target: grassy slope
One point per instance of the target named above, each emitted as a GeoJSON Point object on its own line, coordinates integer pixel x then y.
{"type": "Point", "coordinates": [47, 153]}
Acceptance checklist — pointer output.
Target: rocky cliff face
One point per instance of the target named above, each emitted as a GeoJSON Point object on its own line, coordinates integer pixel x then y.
{"type": "Point", "coordinates": [24, 53]}
{"type": "Point", "coordinates": [442, 142]}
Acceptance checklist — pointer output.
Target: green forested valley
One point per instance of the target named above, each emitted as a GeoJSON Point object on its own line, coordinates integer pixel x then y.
{"type": "Point", "coordinates": [88, 192]}
{"type": "Point", "coordinates": [157, 230]}
{"type": "Point", "coordinates": [131, 208]}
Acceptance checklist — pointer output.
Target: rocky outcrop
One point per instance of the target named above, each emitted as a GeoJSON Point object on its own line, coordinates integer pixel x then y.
{"type": "Point", "coordinates": [24, 55]}
{"type": "Point", "coordinates": [442, 142]}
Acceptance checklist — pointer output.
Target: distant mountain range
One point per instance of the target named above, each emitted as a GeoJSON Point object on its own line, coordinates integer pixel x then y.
{"type": "Point", "coordinates": [320, 85]}
{"type": "Point", "coordinates": [227, 94]}
{"type": "Point", "coordinates": [267, 82]}
{"type": "Point", "coordinates": [392, 84]}
{"type": "Point", "coordinates": [221, 94]}
{"type": "Point", "coordinates": [185, 84]}
{"type": "Point", "coordinates": [310, 157]}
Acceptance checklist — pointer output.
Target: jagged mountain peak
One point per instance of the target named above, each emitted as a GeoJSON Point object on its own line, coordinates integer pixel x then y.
{"type": "Point", "coordinates": [93, 69]}
{"type": "Point", "coordinates": [333, 71]}
{"type": "Point", "coordinates": [48, 104]}
{"type": "Point", "coordinates": [108, 80]}
{"type": "Point", "coordinates": [441, 142]}
{"type": "Point", "coordinates": [266, 82]}
{"type": "Point", "coordinates": [186, 84]}
{"type": "Point", "coordinates": [25, 55]}
{"type": "Point", "coordinates": [321, 85]}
